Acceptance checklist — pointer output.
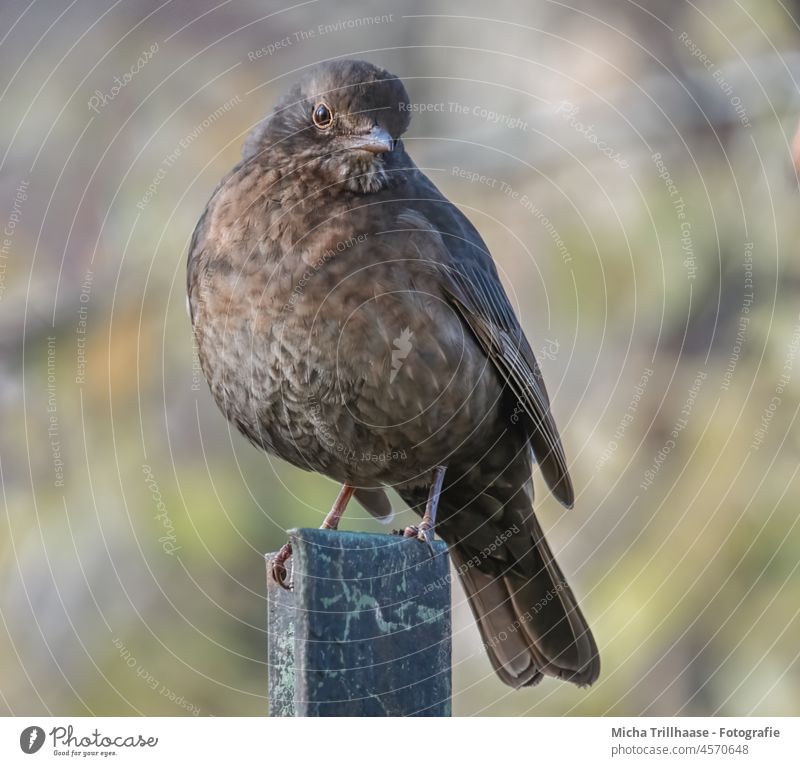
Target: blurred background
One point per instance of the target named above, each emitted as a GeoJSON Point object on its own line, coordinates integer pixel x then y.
{"type": "Point", "coordinates": [639, 197]}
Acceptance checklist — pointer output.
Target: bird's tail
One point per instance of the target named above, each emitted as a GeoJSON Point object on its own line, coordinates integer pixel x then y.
{"type": "Point", "coordinates": [528, 617]}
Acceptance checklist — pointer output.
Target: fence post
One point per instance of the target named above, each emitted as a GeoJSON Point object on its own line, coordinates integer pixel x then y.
{"type": "Point", "coordinates": [365, 630]}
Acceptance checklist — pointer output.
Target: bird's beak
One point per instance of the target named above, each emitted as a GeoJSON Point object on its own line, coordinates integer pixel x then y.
{"type": "Point", "coordinates": [377, 141]}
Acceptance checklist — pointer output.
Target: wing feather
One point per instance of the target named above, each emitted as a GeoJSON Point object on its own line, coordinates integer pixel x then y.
{"type": "Point", "coordinates": [469, 279]}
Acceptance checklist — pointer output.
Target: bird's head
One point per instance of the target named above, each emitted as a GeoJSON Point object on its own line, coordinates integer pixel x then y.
{"type": "Point", "coordinates": [340, 125]}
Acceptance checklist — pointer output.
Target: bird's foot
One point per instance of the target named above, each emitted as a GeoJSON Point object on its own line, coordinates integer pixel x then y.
{"type": "Point", "coordinates": [409, 531]}
{"type": "Point", "coordinates": [423, 533]}
{"type": "Point", "coordinates": [277, 567]}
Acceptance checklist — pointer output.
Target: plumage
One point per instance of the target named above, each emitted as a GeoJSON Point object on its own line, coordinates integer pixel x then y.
{"type": "Point", "coordinates": [350, 320]}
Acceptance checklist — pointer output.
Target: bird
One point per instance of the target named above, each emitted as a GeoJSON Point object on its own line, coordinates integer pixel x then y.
{"type": "Point", "coordinates": [350, 320]}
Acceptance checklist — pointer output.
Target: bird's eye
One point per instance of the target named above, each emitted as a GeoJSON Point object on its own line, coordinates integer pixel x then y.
{"type": "Point", "coordinates": [322, 116]}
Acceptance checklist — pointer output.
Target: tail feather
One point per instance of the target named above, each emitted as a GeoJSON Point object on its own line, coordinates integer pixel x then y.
{"type": "Point", "coordinates": [529, 619]}
{"type": "Point", "coordinates": [509, 651]}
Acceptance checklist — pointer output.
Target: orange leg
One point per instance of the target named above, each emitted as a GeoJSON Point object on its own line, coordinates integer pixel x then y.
{"type": "Point", "coordinates": [425, 530]}
{"type": "Point", "coordinates": [331, 521]}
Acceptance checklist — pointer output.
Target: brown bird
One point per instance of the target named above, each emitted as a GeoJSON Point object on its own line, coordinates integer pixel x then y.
{"type": "Point", "coordinates": [350, 320]}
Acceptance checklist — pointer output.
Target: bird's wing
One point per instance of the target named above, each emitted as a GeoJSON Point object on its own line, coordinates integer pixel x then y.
{"type": "Point", "coordinates": [469, 279]}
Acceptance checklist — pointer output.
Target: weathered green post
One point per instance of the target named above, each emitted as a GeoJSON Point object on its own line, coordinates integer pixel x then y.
{"type": "Point", "coordinates": [365, 630]}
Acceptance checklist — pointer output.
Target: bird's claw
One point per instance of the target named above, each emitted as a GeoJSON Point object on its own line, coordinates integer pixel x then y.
{"type": "Point", "coordinates": [423, 533]}
{"type": "Point", "coordinates": [277, 567]}
{"type": "Point", "coordinates": [409, 531]}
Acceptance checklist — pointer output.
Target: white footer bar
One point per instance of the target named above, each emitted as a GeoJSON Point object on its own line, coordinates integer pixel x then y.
{"type": "Point", "coordinates": [392, 742]}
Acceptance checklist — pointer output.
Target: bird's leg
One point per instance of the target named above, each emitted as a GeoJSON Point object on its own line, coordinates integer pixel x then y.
{"type": "Point", "coordinates": [336, 512]}
{"type": "Point", "coordinates": [426, 526]}
{"type": "Point", "coordinates": [331, 521]}
{"type": "Point", "coordinates": [425, 530]}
